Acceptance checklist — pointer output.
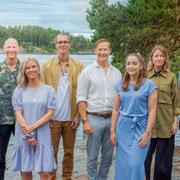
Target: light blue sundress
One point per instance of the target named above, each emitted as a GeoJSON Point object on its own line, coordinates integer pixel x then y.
{"type": "Point", "coordinates": [131, 124]}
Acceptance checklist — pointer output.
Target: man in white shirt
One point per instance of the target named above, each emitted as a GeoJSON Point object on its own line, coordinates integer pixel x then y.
{"type": "Point", "coordinates": [95, 95]}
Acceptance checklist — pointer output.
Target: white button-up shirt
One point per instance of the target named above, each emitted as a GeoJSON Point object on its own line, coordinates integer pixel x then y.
{"type": "Point", "coordinates": [97, 88]}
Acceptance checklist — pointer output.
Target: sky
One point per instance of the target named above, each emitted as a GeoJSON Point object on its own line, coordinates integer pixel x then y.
{"type": "Point", "coordinates": [66, 15]}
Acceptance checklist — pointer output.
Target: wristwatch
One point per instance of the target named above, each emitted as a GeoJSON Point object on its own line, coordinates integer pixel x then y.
{"type": "Point", "coordinates": [83, 120]}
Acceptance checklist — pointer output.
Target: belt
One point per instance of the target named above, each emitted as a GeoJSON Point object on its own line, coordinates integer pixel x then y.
{"type": "Point", "coordinates": [97, 114]}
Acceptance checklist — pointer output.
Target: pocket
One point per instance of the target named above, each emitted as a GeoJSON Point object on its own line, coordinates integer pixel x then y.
{"type": "Point", "coordinates": [165, 94]}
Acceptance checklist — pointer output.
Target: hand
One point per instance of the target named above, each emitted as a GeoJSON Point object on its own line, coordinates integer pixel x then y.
{"type": "Point", "coordinates": [175, 126]}
{"type": "Point", "coordinates": [75, 122]}
{"type": "Point", "coordinates": [25, 129]}
{"type": "Point", "coordinates": [32, 141]}
{"type": "Point", "coordinates": [87, 128]}
{"type": "Point", "coordinates": [28, 129]}
{"type": "Point", "coordinates": [143, 140]}
{"type": "Point", "coordinates": [113, 138]}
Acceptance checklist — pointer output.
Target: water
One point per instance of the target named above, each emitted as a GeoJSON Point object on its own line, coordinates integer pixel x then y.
{"type": "Point", "coordinates": [85, 59]}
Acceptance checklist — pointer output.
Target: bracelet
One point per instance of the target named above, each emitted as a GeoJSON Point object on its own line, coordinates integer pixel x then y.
{"type": "Point", "coordinates": [29, 135]}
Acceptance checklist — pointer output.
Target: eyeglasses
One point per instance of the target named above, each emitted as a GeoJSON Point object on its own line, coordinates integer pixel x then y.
{"type": "Point", "coordinates": [63, 42]}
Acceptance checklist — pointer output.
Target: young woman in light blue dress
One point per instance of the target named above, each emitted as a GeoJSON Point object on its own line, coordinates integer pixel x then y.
{"type": "Point", "coordinates": [132, 119]}
{"type": "Point", "coordinates": [34, 104]}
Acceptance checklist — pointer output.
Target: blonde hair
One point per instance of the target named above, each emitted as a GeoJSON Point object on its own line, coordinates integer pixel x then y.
{"type": "Point", "coordinates": [22, 78]}
{"type": "Point", "coordinates": [161, 48]}
{"type": "Point", "coordinates": [101, 41]}
{"type": "Point", "coordinates": [142, 73]}
{"type": "Point", "coordinates": [61, 34]}
{"type": "Point", "coordinates": [10, 40]}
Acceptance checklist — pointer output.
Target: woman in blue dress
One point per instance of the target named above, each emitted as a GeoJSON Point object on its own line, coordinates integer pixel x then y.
{"type": "Point", "coordinates": [34, 104]}
{"type": "Point", "coordinates": [132, 119]}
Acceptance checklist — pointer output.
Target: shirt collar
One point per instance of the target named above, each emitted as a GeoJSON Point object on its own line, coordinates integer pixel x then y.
{"type": "Point", "coordinates": [98, 66]}
{"type": "Point", "coordinates": [162, 73]}
{"type": "Point", "coordinates": [17, 65]}
{"type": "Point", "coordinates": [68, 63]}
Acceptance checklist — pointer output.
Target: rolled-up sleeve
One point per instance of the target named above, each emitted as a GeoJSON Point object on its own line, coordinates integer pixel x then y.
{"type": "Point", "coordinates": [82, 87]}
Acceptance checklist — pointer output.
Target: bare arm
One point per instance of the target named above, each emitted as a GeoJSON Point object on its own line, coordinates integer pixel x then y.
{"type": "Point", "coordinates": [83, 114]}
{"type": "Point", "coordinates": [42, 121]}
{"type": "Point", "coordinates": [115, 114]}
{"type": "Point", "coordinates": [20, 120]}
{"type": "Point", "coordinates": [115, 111]}
{"type": "Point", "coordinates": [152, 106]}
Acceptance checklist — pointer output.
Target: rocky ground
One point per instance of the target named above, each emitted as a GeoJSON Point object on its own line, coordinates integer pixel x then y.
{"type": "Point", "coordinates": [80, 164]}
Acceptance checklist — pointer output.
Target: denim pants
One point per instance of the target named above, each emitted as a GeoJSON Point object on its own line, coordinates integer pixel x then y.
{"type": "Point", "coordinates": [99, 140]}
{"type": "Point", "coordinates": [5, 133]}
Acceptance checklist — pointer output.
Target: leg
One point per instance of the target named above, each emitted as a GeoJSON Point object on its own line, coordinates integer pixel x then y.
{"type": "Point", "coordinates": [106, 151]}
{"type": "Point", "coordinates": [164, 158]}
{"type": "Point", "coordinates": [94, 141]}
{"type": "Point", "coordinates": [55, 135]}
{"type": "Point", "coordinates": [69, 136]}
{"type": "Point", "coordinates": [45, 176]}
{"type": "Point", "coordinates": [5, 133]}
{"type": "Point", "coordinates": [26, 175]}
{"type": "Point", "coordinates": [149, 156]}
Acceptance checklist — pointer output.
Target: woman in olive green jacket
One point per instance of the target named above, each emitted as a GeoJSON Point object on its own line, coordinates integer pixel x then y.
{"type": "Point", "coordinates": [166, 122]}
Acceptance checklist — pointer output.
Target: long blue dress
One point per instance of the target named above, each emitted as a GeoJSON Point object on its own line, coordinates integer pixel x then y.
{"type": "Point", "coordinates": [131, 124]}
{"type": "Point", "coordinates": [34, 103]}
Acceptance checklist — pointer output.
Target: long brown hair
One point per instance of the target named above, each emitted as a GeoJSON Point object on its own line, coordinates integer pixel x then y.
{"type": "Point", "coordinates": [142, 73]}
{"type": "Point", "coordinates": [165, 53]}
{"type": "Point", "coordinates": [22, 78]}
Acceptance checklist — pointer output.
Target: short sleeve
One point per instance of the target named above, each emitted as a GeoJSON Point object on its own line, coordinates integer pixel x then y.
{"type": "Point", "coordinates": [151, 87]}
{"type": "Point", "coordinates": [51, 99]}
{"type": "Point", "coordinates": [118, 86]}
{"type": "Point", "coordinates": [17, 98]}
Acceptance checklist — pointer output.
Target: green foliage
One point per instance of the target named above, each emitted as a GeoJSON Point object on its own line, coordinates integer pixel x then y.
{"type": "Point", "coordinates": [36, 39]}
{"type": "Point", "coordinates": [137, 26]}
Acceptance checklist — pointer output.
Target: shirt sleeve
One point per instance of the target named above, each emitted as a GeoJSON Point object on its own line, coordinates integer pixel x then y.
{"type": "Point", "coordinates": [82, 87]}
{"type": "Point", "coordinates": [175, 96]}
{"type": "Point", "coordinates": [118, 87]}
{"type": "Point", "coordinates": [17, 98]}
{"type": "Point", "coordinates": [51, 99]}
{"type": "Point", "coordinates": [151, 88]}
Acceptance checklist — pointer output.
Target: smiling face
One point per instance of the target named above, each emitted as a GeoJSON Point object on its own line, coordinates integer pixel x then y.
{"type": "Point", "coordinates": [133, 66]}
{"type": "Point", "coordinates": [11, 49]}
{"type": "Point", "coordinates": [32, 70]}
{"type": "Point", "coordinates": [63, 44]}
{"type": "Point", "coordinates": [102, 51]}
{"type": "Point", "coordinates": [158, 59]}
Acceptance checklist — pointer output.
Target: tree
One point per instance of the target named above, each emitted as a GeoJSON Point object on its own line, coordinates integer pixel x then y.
{"type": "Point", "coordinates": [137, 26]}
{"type": "Point", "coordinates": [36, 39]}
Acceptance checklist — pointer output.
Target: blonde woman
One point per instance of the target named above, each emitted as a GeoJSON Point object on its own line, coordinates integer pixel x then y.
{"type": "Point", "coordinates": [166, 122]}
{"type": "Point", "coordinates": [34, 104]}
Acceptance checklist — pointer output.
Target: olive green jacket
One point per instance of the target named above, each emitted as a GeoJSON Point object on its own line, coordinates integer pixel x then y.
{"type": "Point", "coordinates": [168, 105]}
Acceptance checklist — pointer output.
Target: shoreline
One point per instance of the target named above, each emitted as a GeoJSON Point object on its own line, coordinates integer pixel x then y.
{"type": "Point", "coordinates": [79, 172]}
{"type": "Point", "coordinates": [38, 53]}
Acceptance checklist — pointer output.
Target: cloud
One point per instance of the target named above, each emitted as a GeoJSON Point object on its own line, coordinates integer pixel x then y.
{"type": "Point", "coordinates": [67, 15]}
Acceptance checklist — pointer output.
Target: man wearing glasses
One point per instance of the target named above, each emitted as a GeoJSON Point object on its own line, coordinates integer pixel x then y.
{"type": "Point", "coordinates": [61, 72]}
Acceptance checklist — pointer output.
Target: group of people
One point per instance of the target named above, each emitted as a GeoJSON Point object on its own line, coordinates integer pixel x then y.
{"type": "Point", "coordinates": [136, 113]}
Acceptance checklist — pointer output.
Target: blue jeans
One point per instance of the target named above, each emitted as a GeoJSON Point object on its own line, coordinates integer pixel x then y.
{"type": "Point", "coordinates": [5, 133]}
{"type": "Point", "coordinates": [99, 140]}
